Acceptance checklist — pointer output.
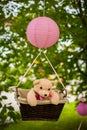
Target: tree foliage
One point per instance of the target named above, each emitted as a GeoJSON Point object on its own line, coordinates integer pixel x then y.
{"type": "Point", "coordinates": [68, 56]}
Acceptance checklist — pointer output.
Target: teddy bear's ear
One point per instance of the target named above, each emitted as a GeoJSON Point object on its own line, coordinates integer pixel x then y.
{"type": "Point", "coordinates": [36, 82]}
{"type": "Point", "coordinates": [53, 83]}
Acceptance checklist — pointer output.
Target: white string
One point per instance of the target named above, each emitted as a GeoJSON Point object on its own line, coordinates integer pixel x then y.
{"type": "Point", "coordinates": [54, 71]}
{"type": "Point", "coordinates": [28, 69]}
{"type": "Point", "coordinates": [32, 65]}
{"type": "Point", "coordinates": [44, 9]}
{"type": "Point", "coordinates": [80, 125]}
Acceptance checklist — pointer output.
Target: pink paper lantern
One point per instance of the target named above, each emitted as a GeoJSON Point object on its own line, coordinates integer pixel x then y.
{"type": "Point", "coordinates": [42, 32]}
{"type": "Point", "coordinates": [82, 109]}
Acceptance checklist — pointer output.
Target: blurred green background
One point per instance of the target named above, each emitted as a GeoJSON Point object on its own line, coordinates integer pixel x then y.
{"type": "Point", "coordinates": [68, 55]}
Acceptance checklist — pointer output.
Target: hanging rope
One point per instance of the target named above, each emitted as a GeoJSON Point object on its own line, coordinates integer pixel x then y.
{"type": "Point", "coordinates": [44, 9]}
{"type": "Point", "coordinates": [32, 65]}
{"type": "Point", "coordinates": [80, 125]}
{"type": "Point", "coordinates": [29, 68]}
{"type": "Point", "coordinates": [54, 70]}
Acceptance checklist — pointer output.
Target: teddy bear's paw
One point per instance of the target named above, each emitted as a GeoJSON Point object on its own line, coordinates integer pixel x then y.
{"type": "Point", "coordinates": [33, 103]}
{"type": "Point", "coordinates": [55, 102]}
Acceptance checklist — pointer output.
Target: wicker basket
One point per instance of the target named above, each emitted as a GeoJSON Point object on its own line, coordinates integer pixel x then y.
{"type": "Point", "coordinates": [43, 111]}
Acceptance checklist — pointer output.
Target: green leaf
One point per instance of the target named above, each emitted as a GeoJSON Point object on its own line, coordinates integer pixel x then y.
{"type": "Point", "coordinates": [3, 111]}
{"type": "Point", "coordinates": [0, 105]}
{"type": "Point", "coordinates": [10, 108]}
{"type": "Point", "coordinates": [4, 97]}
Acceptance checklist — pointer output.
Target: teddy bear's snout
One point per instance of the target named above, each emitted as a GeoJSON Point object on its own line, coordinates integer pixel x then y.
{"type": "Point", "coordinates": [45, 95]}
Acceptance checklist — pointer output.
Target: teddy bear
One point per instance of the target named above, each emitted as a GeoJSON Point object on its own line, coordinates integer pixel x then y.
{"type": "Point", "coordinates": [42, 90]}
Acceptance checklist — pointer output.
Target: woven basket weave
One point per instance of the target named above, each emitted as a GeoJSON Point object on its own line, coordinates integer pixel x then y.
{"type": "Point", "coordinates": [41, 112]}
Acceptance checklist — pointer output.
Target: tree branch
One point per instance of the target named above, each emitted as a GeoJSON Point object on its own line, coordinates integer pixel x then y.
{"type": "Point", "coordinates": [81, 15]}
{"type": "Point", "coordinates": [78, 5]}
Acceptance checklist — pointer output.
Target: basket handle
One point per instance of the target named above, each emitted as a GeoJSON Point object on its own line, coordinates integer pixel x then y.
{"type": "Point", "coordinates": [65, 92]}
{"type": "Point", "coordinates": [17, 92]}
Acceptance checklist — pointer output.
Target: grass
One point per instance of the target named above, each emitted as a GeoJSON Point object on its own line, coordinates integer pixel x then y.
{"type": "Point", "coordinates": [69, 120]}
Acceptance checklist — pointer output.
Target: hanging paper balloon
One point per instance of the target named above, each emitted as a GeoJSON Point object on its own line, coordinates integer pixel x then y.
{"type": "Point", "coordinates": [82, 109]}
{"type": "Point", "coordinates": [42, 32]}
